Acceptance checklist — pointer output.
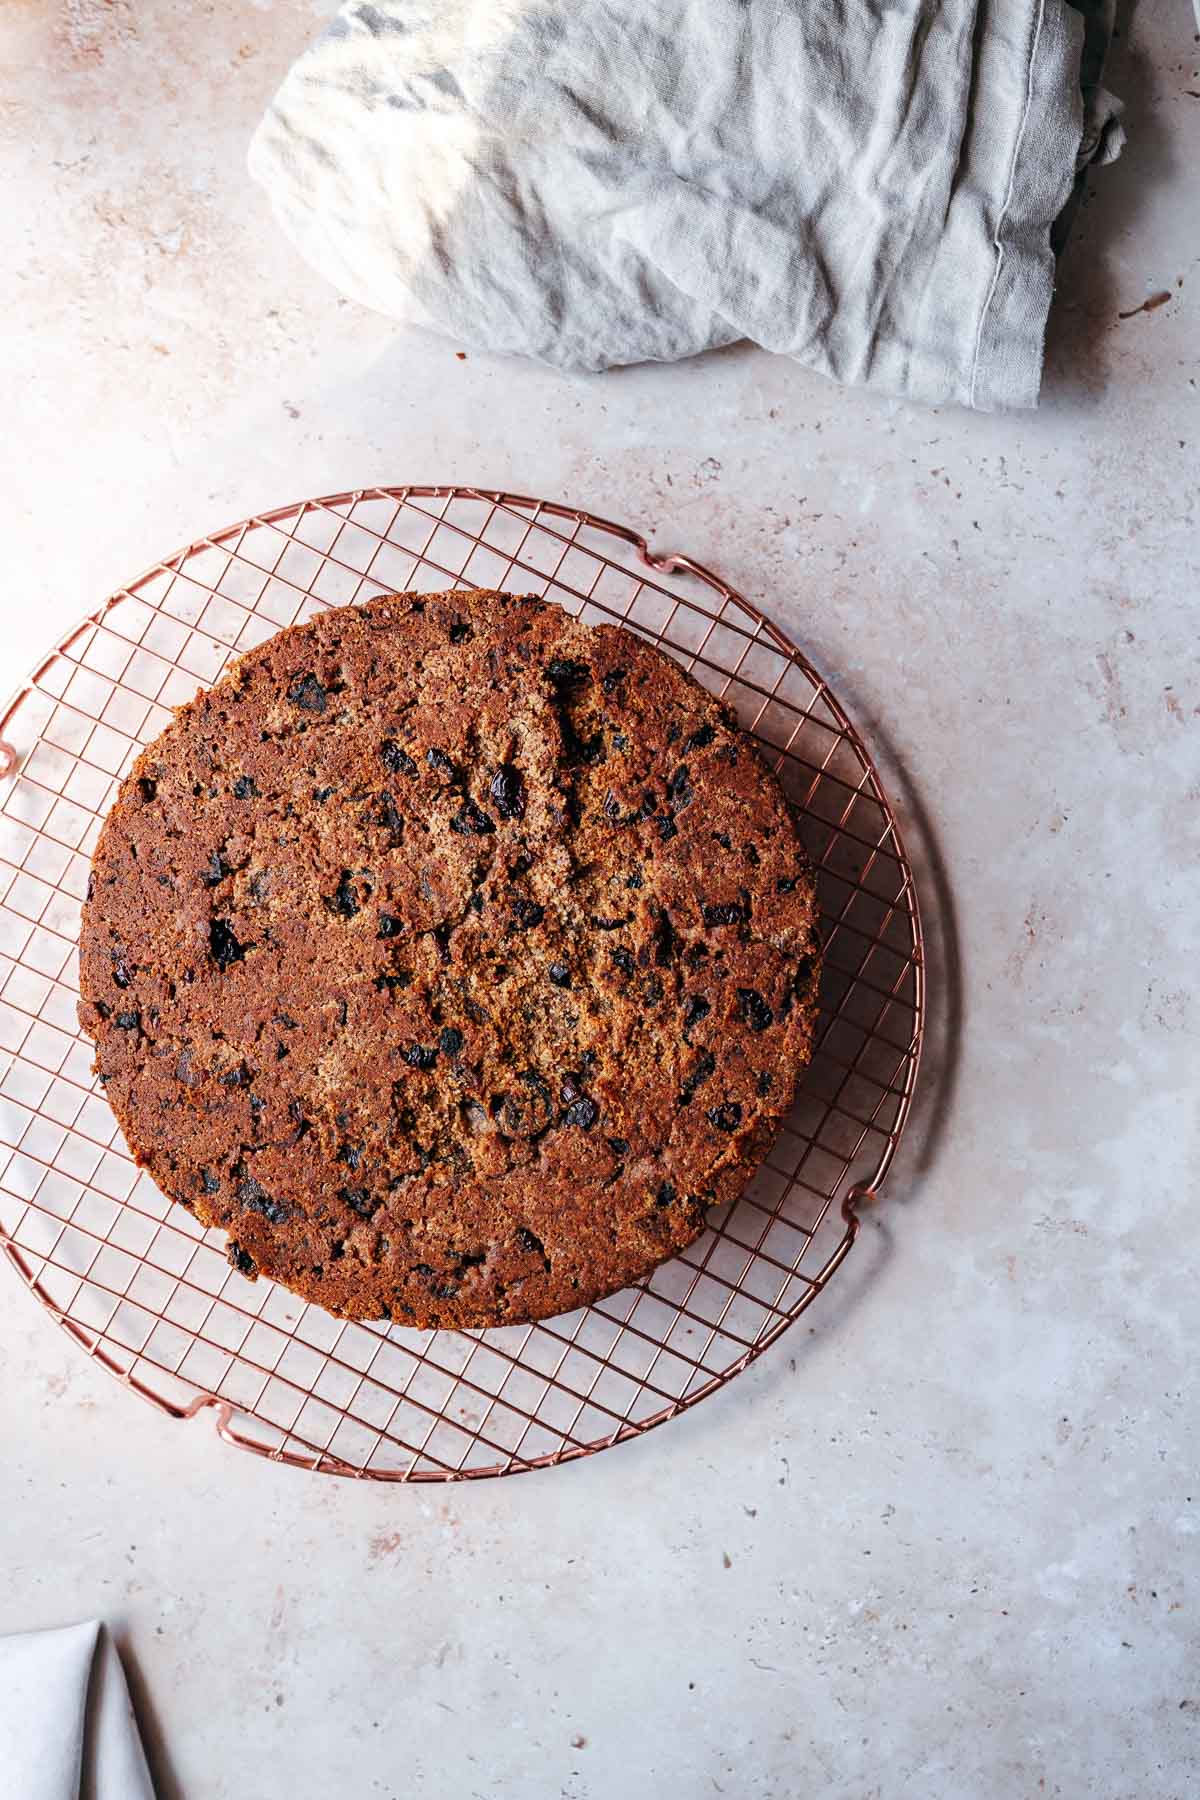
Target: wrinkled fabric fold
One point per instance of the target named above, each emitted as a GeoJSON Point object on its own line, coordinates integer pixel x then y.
{"type": "Point", "coordinates": [868, 187]}
{"type": "Point", "coordinates": [67, 1730]}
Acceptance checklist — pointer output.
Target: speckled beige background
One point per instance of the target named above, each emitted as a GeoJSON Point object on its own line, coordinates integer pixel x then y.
{"type": "Point", "coordinates": [942, 1542]}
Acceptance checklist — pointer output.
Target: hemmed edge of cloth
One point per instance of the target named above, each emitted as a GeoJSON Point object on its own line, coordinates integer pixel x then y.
{"type": "Point", "coordinates": [976, 336]}
{"type": "Point", "coordinates": [1006, 369]}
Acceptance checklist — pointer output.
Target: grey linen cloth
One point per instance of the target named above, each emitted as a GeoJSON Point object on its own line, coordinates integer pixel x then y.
{"type": "Point", "coordinates": [867, 186]}
{"type": "Point", "coordinates": [67, 1730]}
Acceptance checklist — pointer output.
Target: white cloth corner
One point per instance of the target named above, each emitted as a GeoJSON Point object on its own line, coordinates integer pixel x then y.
{"type": "Point", "coordinates": [67, 1730]}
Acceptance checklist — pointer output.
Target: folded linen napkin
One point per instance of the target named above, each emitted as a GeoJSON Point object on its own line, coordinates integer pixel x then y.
{"type": "Point", "coordinates": [867, 186]}
{"type": "Point", "coordinates": [66, 1726]}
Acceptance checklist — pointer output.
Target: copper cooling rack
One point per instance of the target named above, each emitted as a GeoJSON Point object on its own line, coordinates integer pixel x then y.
{"type": "Point", "coordinates": [147, 1292]}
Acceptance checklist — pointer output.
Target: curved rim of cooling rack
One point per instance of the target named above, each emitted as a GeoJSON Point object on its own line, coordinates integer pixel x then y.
{"type": "Point", "coordinates": [859, 1194]}
{"type": "Point", "coordinates": [325, 1463]}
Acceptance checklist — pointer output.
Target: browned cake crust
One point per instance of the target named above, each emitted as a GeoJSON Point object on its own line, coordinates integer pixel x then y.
{"type": "Point", "coordinates": [453, 957]}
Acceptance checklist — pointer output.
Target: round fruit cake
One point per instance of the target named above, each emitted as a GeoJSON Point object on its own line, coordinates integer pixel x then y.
{"type": "Point", "coordinates": [453, 957]}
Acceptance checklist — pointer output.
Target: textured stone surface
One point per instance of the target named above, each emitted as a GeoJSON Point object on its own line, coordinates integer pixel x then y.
{"type": "Point", "coordinates": [942, 1541]}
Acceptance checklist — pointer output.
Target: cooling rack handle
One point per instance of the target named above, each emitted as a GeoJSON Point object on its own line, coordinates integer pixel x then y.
{"type": "Point", "coordinates": [856, 1198]}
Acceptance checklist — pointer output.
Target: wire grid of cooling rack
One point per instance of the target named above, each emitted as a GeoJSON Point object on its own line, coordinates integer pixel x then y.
{"type": "Point", "coordinates": [147, 1291]}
